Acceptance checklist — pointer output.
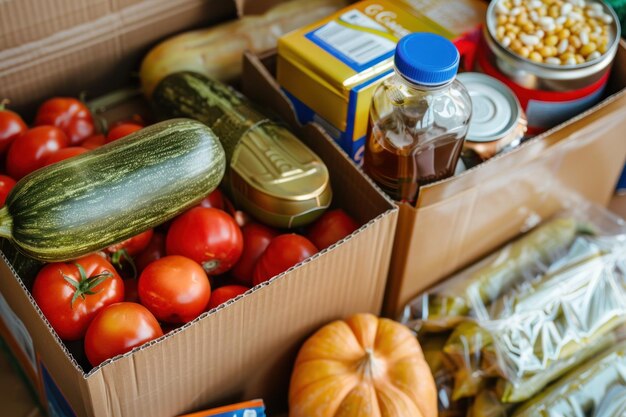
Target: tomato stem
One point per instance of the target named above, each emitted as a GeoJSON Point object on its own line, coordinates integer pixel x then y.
{"type": "Point", "coordinates": [6, 223]}
{"type": "Point", "coordinates": [86, 285]}
{"type": "Point", "coordinates": [116, 260]}
{"type": "Point", "coordinates": [3, 103]}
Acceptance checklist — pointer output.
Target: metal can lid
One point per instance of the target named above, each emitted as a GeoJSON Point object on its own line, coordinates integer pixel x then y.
{"type": "Point", "coordinates": [495, 109]}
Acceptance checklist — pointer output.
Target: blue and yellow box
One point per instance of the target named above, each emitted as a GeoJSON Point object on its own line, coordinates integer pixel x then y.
{"type": "Point", "coordinates": [330, 69]}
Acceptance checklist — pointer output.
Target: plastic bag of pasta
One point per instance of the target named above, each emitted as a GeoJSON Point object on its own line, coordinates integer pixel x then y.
{"type": "Point", "coordinates": [532, 311]}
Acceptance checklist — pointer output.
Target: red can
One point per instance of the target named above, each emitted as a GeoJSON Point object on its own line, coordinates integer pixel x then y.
{"type": "Point", "coordinates": [549, 94]}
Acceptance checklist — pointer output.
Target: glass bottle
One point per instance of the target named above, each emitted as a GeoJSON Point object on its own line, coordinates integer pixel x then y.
{"type": "Point", "coordinates": [419, 118]}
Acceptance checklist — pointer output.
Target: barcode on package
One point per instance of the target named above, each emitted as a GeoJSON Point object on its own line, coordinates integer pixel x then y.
{"type": "Point", "coordinates": [358, 49]}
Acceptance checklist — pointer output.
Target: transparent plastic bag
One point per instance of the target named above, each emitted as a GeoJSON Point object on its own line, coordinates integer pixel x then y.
{"type": "Point", "coordinates": [523, 317]}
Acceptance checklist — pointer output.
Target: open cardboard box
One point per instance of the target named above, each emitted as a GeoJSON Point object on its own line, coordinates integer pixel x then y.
{"type": "Point", "coordinates": [460, 219]}
{"type": "Point", "coordinates": [242, 350]}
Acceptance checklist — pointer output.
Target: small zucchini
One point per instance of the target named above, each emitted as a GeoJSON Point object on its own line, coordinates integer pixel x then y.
{"type": "Point", "coordinates": [88, 202]}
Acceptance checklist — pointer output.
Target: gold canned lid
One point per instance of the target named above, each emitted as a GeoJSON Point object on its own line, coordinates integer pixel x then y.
{"type": "Point", "coordinates": [277, 178]}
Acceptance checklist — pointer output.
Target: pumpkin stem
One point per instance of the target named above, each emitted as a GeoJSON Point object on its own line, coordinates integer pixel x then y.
{"type": "Point", "coordinates": [369, 367]}
{"type": "Point", "coordinates": [6, 223]}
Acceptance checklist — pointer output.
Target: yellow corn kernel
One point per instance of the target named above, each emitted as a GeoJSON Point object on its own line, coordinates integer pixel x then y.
{"type": "Point", "coordinates": [542, 11]}
{"type": "Point", "coordinates": [536, 56]}
{"type": "Point", "coordinates": [580, 59]}
{"type": "Point", "coordinates": [551, 40]}
{"type": "Point", "coordinates": [576, 28]}
{"type": "Point", "coordinates": [603, 47]}
{"type": "Point", "coordinates": [567, 55]}
{"type": "Point", "coordinates": [522, 19]}
{"type": "Point", "coordinates": [500, 33]}
{"type": "Point", "coordinates": [554, 11]}
{"type": "Point", "coordinates": [575, 41]}
{"type": "Point", "coordinates": [564, 34]}
{"type": "Point", "coordinates": [502, 19]}
{"type": "Point", "coordinates": [523, 52]}
{"type": "Point", "coordinates": [547, 51]}
{"type": "Point", "coordinates": [529, 27]}
{"type": "Point", "coordinates": [516, 45]}
{"type": "Point", "coordinates": [587, 49]}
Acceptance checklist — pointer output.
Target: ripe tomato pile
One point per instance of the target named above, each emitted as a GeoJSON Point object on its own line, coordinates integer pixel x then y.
{"type": "Point", "coordinates": [125, 295]}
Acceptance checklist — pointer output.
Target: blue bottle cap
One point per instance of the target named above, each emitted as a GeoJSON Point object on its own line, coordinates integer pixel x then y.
{"type": "Point", "coordinates": [427, 59]}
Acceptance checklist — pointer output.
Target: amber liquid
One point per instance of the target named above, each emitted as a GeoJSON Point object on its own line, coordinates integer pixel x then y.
{"type": "Point", "coordinates": [400, 160]}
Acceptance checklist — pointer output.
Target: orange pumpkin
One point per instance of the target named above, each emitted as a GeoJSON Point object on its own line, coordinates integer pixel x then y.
{"type": "Point", "coordinates": [362, 367]}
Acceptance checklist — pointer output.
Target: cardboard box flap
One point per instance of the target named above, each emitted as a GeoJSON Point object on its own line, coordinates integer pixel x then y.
{"type": "Point", "coordinates": [261, 87]}
{"type": "Point", "coordinates": [253, 7]}
{"type": "Point", "coordinates": [222, 354]}
{"type": "Point", "coordinates": [46, 351]}
{"type": "Point", "coordinates": [604, 116]}
{"type": "Point", "coordinates": [98, 53]}
{"type": "Point", "coordinates": [464, 225]}
{"type": "Point", "coordinates": [24, 21]}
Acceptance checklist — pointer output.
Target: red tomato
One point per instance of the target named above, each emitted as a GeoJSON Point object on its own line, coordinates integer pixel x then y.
{"type": "Point", "coordinates": [282, 253]}
{"type": "Point", "coordinates": [94, 141]}
{"type": "Point", "coordinates": [29, 151]}
{"type": "Point", "coordinates": [155, 250]}
{"type": "Point", "coordinates": [11, 127]}
{"type": "Point", "coordinates": [64, 153]}
{"type": "Point", "coordinates": [135, 119]}
{"type": "Point", "coordinates": [256, 238]}
{"type": "Point", "coordinates": [213, 200]}
{"type": "Point", "coordinates": [70, 115]}
{"type": "Point", "coordinates": [132, 245]}
{"type": "Point", "coordinates": [118, 329]}
{"type": "Point", "coordinates": [333, 226]}
{"type": "Point", "coordinates": [175, 289]}
{"type": "Point", "coordinates": [70, 297]}
{"type": "Point", "coordinates": [6, 185]}
{"type": "Point", "coordinates": [225, 293]}
{"type": "Point", "coordinates": [122, 130]}
{"type": "Point", "coordinates": [208, 236]}
{"type": "Point", "coordinates": [121, 254]}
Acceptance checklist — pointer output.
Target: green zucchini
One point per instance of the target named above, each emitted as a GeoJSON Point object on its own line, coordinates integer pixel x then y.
{"type": "Point", "coordinates": [88, 202]}
{"type": "Point", "coordinates": [271, 174]}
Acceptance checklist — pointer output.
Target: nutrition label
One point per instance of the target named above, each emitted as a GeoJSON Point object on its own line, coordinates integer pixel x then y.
{"type": "Point", "coordinates": [353, 39]}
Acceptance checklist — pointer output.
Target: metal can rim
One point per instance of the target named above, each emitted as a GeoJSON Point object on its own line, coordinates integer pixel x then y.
{"type": "Point", "coordinates": [517, 113]}
{"type": "Point", "coordinates": [551, 71]}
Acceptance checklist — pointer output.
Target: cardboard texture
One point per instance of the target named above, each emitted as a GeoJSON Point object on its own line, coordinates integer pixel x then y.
{"type": "Point", "coordinates": [458, 220]}
{"type": "Point", "coordinates": [246, 348]}
{"type": "Point", "coordinates": [70, 47]}
{"type": "Point", "coordinates": [17, 400]}
{"type": "Point", "coordinates": [252, 7]}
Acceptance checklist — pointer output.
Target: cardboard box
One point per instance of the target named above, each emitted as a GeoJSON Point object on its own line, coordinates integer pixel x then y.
{"type": "Point", "coordinates": [458, 220]}
{"type": "Point", "coordinates": [243, 350]}
{"type": "Point", "coordinates": [246, 348]}
{"type": "Point", "coordinates": [71, 47]}
{"type": "Point", "coordinates": [331, 68]}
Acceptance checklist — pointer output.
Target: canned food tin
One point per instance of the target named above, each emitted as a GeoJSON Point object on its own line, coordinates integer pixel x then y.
{"type": "Point", "coordinates": [548, 93]}
{"type": "Point", "coordinates": [276, 178]}
{"type": "Point", "coordinates": [498, 121]}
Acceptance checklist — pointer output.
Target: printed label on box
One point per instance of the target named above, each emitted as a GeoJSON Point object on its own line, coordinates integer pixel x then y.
{"type": "Point", "coordinates": [56, 402]}
{"type": "Point", "coordinates": [19, 336]}
{"type": "Point", "coordinates": [355, 39]}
